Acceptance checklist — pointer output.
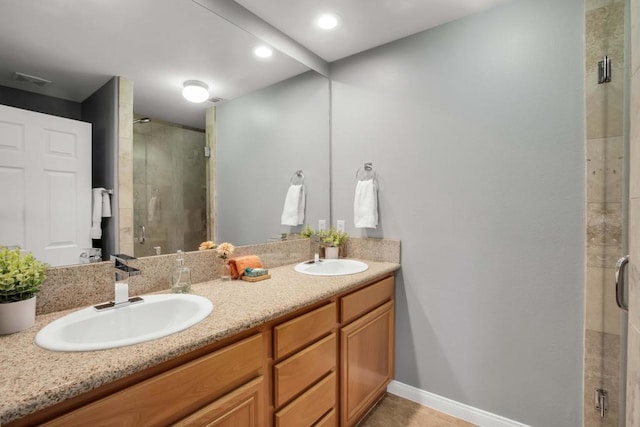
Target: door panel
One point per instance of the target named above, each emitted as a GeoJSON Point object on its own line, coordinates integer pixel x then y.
{"type": "Point", "coordinates": [45, 166]}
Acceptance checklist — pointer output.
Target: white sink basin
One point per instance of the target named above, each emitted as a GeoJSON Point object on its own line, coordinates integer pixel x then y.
{"type": "Point", "coordinates": [156, 317]}
{"type": "Point", "coordinates": [332, 267]}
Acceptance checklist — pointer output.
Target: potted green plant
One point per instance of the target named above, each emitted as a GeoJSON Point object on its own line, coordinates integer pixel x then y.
{"type": "Point", "coordinates": [21, 276]}
{"type": "Point", "coordinates": [333, 241]}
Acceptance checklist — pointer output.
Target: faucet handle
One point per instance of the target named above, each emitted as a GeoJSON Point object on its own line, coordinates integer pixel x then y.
{"type": "Point", "coordinates": [121, 264]}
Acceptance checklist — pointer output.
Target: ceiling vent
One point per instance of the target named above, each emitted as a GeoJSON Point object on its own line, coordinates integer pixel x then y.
{"type": "Point", "coordinates": [214, 99]}
{"type": "Point", "coordinates": [26, 78]}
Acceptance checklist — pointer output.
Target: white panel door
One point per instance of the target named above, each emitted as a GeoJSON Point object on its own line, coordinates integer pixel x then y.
{"type": "Point", "coordinates": [45, 184]}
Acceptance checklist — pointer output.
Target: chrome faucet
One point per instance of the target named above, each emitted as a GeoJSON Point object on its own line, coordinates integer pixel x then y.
{"type": "Point", "coordinates": [124, 270]}
{"type": "Point", "coordinates": [122, 273]}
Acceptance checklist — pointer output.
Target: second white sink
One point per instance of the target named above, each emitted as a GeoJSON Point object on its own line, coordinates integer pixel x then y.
{"type": "Point", "coordinates": [156, 317]}
{"type": "Point", "coordinates": [332, 267]}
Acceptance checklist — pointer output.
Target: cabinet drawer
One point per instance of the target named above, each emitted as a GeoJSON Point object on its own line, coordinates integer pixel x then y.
{"type": "Point", "coordinates": [295, 334]}
{"type": "Point", "coordinates": [303, 369]}
{"type": "Point", "coordinates": [174, 394]}
{"type": "Point", "coordinates": [358, 303]}
{"type": "Point", "coordinates": [328, 420]}
{"type": "Point", "coordinates": [241, 407]}
{"type": "Point", "coordinates": [311, 406]}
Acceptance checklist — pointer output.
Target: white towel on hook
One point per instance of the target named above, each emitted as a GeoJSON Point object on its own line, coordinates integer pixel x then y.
{"type": "Point", "coordinates": [365, 205]}
{"type": "Point", "coordinates": [96, 213]}
{"type": "Point", "coordinates": [106, 205]}
{"type": "Point", "coordinates": [294, 202]}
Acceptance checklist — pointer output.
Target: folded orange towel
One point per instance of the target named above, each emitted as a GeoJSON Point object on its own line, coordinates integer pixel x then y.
{"type": "Point", "coordinates": [239, 264]}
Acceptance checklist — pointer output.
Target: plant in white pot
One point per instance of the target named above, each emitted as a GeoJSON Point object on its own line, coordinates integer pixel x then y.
{"type": "Point", "coordinates": [333, 241]}
{"type": "Point", "coordinates": [21, 276]}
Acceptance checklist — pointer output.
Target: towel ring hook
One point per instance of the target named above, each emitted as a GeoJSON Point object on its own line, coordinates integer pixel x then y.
{"type": "Point", "coordinates": [297, 178]}
{"type": "Point", "coordinates": [366, 172]}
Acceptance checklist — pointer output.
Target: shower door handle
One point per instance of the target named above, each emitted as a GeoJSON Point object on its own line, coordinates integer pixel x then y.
{"type": "Point", "coordinates": [142, 237]}
{"type": "Point", "coordinates": [621, 267]}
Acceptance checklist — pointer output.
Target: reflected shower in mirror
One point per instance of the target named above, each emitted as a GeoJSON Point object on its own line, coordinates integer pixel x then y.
{"type": "Point", "coordinates": [169, 187]}
{"type": "Point", "coordinates": [219, 53]}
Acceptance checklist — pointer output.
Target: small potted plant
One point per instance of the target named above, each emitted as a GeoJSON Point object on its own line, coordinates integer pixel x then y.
{"type": "Point", "coordinates": [21, 276]}
{"type": "Point", "coordinates": [333, 241]}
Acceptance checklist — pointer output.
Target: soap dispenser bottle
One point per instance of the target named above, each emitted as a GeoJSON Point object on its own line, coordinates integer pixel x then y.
{"type": "Point", "coordinates": [181, 278]}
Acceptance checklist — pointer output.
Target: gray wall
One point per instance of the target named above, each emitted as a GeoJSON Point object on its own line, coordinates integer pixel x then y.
{"type": "Point", "coordinates": [40, 103]}
{"type": "Point", "coordinates": [475, 130]}
{"type": "Point", "coordinates": [262, 139]}
{"type": "Point", "coordinates": [101, 109]}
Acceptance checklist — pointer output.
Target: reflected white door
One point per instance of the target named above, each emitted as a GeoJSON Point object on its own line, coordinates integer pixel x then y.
{"type": "Point", "coordinates": [45, 184]}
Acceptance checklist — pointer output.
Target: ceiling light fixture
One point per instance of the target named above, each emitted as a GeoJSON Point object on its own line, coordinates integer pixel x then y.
{"type": "Point", "coordinates": [263, 52]}
{"type": "Point", "coordinates": [327, 22]}
{"type": "Point", "coordinates": [195, 91]}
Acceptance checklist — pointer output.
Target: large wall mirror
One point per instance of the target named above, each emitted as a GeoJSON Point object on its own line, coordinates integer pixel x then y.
{"type": "Point", "coordinates": [273, 119]}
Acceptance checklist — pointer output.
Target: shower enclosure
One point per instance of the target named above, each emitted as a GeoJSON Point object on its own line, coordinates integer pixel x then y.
{"type": "Point", "coordinates": [169, 187]}
{"type": "Point", "coordinates": [606, 206]}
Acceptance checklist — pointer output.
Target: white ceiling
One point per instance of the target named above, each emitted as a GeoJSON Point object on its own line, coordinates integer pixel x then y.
{"type": "Point", "coordinates": [80, 44]}
{"type": "Point", "coordinates": [363, 24]}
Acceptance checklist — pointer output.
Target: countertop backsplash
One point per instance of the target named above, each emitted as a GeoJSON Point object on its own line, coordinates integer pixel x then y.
{"type": "Point", "coordinates": [81, 285]}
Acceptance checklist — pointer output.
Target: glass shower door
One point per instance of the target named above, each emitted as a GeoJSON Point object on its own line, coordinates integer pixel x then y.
{"type": "Point", "coordinates": [606, 154]}
{"type": "Point", "coordinates": [169, 180]}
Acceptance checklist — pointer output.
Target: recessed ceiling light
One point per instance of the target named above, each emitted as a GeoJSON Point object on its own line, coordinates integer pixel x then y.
{"type": "Point", "coordinates": [195, 91]}
{"type": "Point", "coordinates": [327, 21]}
{"type": "Point", "coordinates": [263, 52]}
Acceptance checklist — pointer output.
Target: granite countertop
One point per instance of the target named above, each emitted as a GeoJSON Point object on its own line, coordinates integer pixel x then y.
{"type": "Point", "coordinates": [34, 378]}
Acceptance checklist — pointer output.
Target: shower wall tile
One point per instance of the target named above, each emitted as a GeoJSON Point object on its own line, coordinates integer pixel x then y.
{"type": "Point", "coordinates": [590, 5]}
{"type": "Point", "coordinates": [605, 170]}
{"type": "Point", "coordinates": [603, 256]}
{"type": "Point", "coordinates": [634, 135]}
{"type": "Point", "coordinates": [633, 377]}
{"type": "Point", "coordinates": [604, 224]}
{"type": "Point", "coordinates": [210, 136]}
{"type": "Point", "coordinates": [605, 105]}
{"type": "Point", "coordinates": [633, 344]}
{"type": "Point", "coordinates": [140, 143]}
{"type": "Point", "coordinates": [634, 231]}
{"type": "Point", "coordinates": [125, 174]}
{"type": "Point", "coordinates": [601, 370]}
{"type": "Point", "coordinates": [126, 231]}
{"type": "Point", "coordinates": [125, 165]}
{"type": "Point", "coordinates": [125, 92]}
{"type": "Point", "coordinates": [635, 36]}
{"type": "Point", "coordinates": [605, 35]}
{"type": "Point", "coordinates": [634, 295]}
{"type": "Point", "coordinates": [602, 313]}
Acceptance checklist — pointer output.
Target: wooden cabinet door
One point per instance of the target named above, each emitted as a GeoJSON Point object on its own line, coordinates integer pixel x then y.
{"type": "Point", "coordinates": [366, 362]}
{"type": "Point", "coordinates": [240, 408]}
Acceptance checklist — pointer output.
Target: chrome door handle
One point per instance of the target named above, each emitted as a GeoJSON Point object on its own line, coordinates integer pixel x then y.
{"type": "Point", "coordinates": [142, 237]}
{"type": "Point", "coordinates": [621, 266]}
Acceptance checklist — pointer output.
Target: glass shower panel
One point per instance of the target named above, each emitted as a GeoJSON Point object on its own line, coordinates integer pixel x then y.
{"type": "Point", "coordinates": [605, 207]}
{"type": "Point", "coordinates": [169, 186]}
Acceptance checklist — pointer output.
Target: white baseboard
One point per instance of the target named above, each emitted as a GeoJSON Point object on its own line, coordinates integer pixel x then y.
{"type": "Point", "coordinates": [451, 407]}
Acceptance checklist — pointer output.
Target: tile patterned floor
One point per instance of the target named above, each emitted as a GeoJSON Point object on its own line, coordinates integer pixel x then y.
{"type": "Point", "coordinates": [395, 411]}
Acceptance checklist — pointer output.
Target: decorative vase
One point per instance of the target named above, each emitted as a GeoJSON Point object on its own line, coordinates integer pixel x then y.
{"type": "Point", "coordinates": [17, 316]}
{"type": "Point", "coordinates": [226, 271]}
{"type": "Point", "coordinates": [331, 252]}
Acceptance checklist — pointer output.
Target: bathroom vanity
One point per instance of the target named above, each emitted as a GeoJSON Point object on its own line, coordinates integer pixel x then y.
{"type": "Point", "coordinates": [290, 351]}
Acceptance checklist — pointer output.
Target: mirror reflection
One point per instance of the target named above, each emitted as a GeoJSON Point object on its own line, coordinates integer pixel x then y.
{"type": "Point", "coordinates": [178, 196]}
